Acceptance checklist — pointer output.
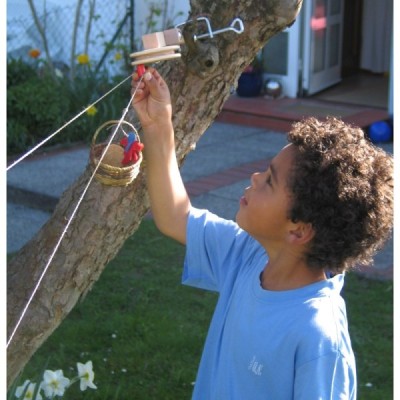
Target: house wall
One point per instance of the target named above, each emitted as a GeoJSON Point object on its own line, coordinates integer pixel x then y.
{"type": "Point", "coordinates": [376, 38]}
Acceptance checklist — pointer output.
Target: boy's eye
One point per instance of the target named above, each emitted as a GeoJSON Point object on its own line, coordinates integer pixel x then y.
{"type": "Point", "coordinates": [269, 180]}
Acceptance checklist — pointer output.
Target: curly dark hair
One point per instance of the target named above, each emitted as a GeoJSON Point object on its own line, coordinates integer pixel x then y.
{"type": "Point", "coordinates": [343, 185]}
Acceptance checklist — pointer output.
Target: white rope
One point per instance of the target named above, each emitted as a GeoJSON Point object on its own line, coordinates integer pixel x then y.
{"type": "Point", "coordinates": [65, 125]}
{"type": "Point", "coordinates": [69, 221]}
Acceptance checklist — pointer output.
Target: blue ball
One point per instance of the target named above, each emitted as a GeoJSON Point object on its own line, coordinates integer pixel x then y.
{"type": "Point", "coordinates": [380, 132]}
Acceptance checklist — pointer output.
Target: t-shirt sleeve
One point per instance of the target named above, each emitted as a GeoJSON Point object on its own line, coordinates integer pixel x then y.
{"type": "Point", "coordinates": [327, 377]}
{"type": "Point", "coordinates": [214, 248]}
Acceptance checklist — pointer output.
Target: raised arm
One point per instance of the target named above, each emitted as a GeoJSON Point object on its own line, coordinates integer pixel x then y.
{"type": "Point", "coordinates": [169, 200]}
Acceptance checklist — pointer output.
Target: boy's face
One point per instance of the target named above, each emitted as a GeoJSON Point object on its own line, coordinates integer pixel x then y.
{"type": "Point", "coordinates": [264, 206]}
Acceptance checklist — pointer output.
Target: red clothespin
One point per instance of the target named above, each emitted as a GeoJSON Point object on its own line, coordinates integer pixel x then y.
{"type": "Point", "coordinates": [141, 69]}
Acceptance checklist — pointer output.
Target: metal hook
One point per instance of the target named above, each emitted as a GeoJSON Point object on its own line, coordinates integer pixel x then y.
{"type": "Point", "coordinates": [231, 27]}
{"type": "Point", "coordinates": [235, 26]}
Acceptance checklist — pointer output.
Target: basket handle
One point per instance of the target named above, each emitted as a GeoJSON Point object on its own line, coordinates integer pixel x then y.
{"type": "Point", "coordinates": [114, 122]}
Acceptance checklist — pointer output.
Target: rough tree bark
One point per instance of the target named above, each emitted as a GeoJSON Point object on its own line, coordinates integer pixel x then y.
{"type": "Point", "coordinates": [200, 83]}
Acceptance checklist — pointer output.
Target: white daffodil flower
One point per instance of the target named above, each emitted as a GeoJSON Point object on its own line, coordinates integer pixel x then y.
{"type": "Point", "coordinates": [86, 375]}
{"type": "Point", "coordinates": [27, 389]}
{"type": "Point", "coordinates": [54, 383]}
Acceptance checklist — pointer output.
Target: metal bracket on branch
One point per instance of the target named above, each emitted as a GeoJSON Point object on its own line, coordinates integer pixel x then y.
{"type": "Point", "coordinates": [202, 57]}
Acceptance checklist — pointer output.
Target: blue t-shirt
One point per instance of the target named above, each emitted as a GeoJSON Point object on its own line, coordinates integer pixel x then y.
{"type": "Point", "coordinates": [262, 344]}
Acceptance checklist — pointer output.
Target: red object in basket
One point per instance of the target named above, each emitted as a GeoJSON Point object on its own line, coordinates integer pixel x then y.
{"type": "Point", "coordinates": [132, 149]}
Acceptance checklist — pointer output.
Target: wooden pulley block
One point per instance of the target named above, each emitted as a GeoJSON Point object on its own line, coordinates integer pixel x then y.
{"type": "Point", "coordinates": [154, 55]}
{"type": "Point", "coordinates": [159, 46]}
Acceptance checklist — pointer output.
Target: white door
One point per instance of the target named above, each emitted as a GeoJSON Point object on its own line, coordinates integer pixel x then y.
{"type": "Point", "coordinates": [322, 55]}
{"type": "Point", "coordinates": [281, 59]}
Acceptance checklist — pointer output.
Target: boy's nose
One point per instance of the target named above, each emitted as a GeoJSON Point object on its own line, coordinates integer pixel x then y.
{"type": "Point", "coordinates": [254, 178]}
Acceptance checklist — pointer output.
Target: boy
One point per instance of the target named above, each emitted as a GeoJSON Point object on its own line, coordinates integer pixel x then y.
{"type": "Point", "coordinates": [325, 203]}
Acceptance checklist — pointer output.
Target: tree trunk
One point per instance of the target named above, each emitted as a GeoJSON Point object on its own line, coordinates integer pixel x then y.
{"type": "Point", "coordinates": [200, 83]}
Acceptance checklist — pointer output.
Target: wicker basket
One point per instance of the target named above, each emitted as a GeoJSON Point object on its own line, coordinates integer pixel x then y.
{"type": "Point", "coordinates": [110, 171]}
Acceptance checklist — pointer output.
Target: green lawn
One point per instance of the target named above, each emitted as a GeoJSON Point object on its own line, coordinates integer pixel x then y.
{"type": "Point", "coordinates": [370, 315]}
{"type": "Point", "coordinates": [144, 331]}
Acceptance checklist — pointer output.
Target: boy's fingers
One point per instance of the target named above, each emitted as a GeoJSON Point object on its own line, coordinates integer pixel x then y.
{"type": "Point", "coordinates": [135, 76]}
{"type": "Point", "coordinates": [151, 83]}
{"type": "Point", "coordinates": [147, 76]}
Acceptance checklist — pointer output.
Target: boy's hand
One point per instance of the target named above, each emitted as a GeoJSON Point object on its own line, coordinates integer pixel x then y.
{"type": "Point", "coordinates": [169, 201]}
{"type": "Point", "coordinates": [152, 100]}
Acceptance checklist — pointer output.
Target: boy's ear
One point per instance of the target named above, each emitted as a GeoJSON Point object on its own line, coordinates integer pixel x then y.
{"type": "Point", "coordinates": [301, 233]}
